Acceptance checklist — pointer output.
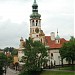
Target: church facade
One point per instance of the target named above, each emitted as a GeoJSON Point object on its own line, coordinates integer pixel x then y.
{"type": "Point", "coordinates": [54, 43]}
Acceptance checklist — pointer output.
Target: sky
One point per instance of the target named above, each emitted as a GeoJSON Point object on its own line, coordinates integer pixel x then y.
{"type": "Point", "coordinates": [15, 19]}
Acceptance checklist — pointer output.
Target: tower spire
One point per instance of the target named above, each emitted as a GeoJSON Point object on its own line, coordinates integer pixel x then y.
{"type": "Point", "coordinates": [57, 31]}
{"type": "Point", "coordinates": [34, 1]}
{"type": "Point", "coordinates": [57, 37]}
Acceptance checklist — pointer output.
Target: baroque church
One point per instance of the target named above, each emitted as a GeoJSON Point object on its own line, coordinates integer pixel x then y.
{"type": "Point", "coordinates": [54, 43]}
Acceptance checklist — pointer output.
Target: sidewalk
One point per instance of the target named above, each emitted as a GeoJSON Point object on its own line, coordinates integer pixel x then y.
{"type": "Point", "coordinates": [11, 72]}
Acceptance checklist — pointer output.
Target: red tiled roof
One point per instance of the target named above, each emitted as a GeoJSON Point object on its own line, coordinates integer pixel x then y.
{"type": "Point", "coordinates": [53, 44]}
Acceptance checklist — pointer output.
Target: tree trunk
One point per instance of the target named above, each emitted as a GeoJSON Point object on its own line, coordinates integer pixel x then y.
{"type": "Point", "coordinates": [62, 62]}
{"type": "Point", "coordinates": [72, 61]}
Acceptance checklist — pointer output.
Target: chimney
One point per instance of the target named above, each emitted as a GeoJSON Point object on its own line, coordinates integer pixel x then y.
{"type": "Point", "coordinates": [52, 36]}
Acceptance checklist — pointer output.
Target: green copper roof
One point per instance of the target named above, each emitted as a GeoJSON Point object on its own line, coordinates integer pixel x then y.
{"type": "Point", "coordinates": [34, 5]}
{"type": "Point", "coordinates": [35, 15]}
{"type": "Point", "coordinates": [57, 37]}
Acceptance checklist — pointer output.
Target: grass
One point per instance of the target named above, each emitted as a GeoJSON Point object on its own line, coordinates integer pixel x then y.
{"type": "Point", "coordinates": [57, 73]}
{"type": "Point", "coordinates": [71, 68]}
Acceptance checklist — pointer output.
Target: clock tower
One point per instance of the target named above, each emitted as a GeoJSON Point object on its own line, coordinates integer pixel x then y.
{"type": "Point", "coordinates": [35, 24]}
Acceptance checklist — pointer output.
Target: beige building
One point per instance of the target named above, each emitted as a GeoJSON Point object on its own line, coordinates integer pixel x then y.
{"type": "Point", "coordinates": [20, 50]}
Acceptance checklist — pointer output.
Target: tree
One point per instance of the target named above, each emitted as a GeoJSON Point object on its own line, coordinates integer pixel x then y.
{"type": "Point", "coordinates": [36, 55]}
{"type": "Point", "coordinates": [10, 49]}
{"type": "Point", "coordinates": [68, 50]}
{"type": "Point", "coordinates": [14, 52]}
{"type": "Point", "coordinates": [3, 59]}
{"type": "Point", "coordinates": [9, 60]}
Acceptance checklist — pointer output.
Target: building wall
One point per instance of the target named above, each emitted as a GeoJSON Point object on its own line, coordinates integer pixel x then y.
{"type": "Point", "coordinates": [15, 59]}
{"type": "Point", "coordinates": [20, 54]}
{"type": "Point", "coordinates": [56, 57]}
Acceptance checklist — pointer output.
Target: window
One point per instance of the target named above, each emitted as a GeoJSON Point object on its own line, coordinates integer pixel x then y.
{"type": "Point", "coordinates": [58, 41]}
{"type": "Point", "coordinates": [36, 35]}
{"type": "Point", "coordinates": [51, 54]}
{"type": "Point", "coordinates": [41, 40]}
{"type": "Point", "coordinates": [32, 22]}
{"type": "Point", "coordinates": [33, 30]}
{"type": "Point", "coordinates": [36, 22]}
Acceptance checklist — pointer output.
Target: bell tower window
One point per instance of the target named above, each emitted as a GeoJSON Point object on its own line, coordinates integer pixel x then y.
{"type": "Point", "coordinates": [33, 22]}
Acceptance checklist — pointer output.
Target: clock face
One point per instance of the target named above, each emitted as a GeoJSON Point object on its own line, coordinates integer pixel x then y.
{"type": "Point", "coordinates": [37, 30]}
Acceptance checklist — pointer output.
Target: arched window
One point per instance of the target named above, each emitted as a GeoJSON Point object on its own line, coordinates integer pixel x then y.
{"type": "Point", "coordinates": [32, 22]}
{"type": "Point", "coordinates": [51, 54]}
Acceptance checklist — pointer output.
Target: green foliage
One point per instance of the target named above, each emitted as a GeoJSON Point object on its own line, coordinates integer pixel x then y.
{"type": "Point", "coordinates": [68, 50]}
{"type": "Point", "coordinates": [3, 60]}
{"type": "Point", "coordinates": [14, 52]}
{"type": "Point", "coordinates": [8, 49]}
{"type": "Point", "coordinates": [10, 57]}
{"type": "Point", "coordinates": [36, 54]}
{"type": "Point", "coordinates": [9, 60]}
{"type": "Point", "coordinates": [23, 59]}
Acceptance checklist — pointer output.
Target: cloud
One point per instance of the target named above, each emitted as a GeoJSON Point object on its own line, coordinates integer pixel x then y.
{"type": "Point", "coordinates": [64, 23]}
{"type": "Point", "coordinates": [14, 19]}
{"type": "Point", "coordinates": [11, 33]}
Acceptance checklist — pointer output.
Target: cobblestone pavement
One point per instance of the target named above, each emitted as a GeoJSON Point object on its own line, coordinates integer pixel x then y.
{"type": "Point", "coordinates": [11, 72]}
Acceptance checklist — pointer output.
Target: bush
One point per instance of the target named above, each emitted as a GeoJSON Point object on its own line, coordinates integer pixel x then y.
{"type": "Point", "coordinates": [1, 71]}
{"type": "Point", "coordinates": [31, 73]}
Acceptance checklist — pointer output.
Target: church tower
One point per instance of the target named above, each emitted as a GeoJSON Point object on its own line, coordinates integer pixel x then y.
{"type": "Point", "coordinates": [35, 24]}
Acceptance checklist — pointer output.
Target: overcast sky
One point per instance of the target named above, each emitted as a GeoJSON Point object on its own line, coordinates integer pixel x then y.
{"type": "Point", "coordinates": [14, 19]}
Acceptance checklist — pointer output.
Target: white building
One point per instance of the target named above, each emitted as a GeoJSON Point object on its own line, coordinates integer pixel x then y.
{"type": "Point", "coordinates": [54, 44]}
